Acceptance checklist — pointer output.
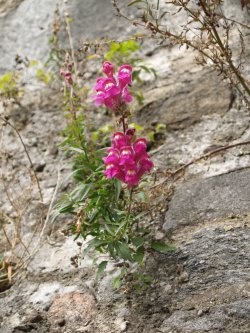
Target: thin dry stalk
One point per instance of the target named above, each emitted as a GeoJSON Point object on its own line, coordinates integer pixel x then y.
{"type": "Point", "coordinates": [210, 36]}
{"type": "Point", "coordinates": [181, 169]}
{"type": "Point", "coordinates": [7, 122]}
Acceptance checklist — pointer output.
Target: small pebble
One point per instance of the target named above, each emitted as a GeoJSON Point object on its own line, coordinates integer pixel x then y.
{"type": "Point", "coordinates": [168, 289]}
{"type": "Point", "coordinates": [184, 277]}
{"type": "Point", "coordinates": [200, 313]}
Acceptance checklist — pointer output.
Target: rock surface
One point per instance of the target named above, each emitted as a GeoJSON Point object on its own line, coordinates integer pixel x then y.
{"type": "Point", "coordinates": [25, 26]}
{"type": "Point", "coordinates": [203, 285]}
{"type": "Point", "coordinates": [206, 199]}
{"type": "Point", "coordinates": [202, 94]}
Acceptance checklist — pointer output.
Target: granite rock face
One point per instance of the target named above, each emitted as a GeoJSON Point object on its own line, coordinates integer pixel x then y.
{"type": "Point", "coordinates": [25, 26]}
{"type": "Point", "coordinates": [207, 199]}
{"type": "Point", "coordinates": [25, 31]}
{"type": "Point", "coordinates": [184, 102]}
{"type": "Point", "coordinates": [203, 285]}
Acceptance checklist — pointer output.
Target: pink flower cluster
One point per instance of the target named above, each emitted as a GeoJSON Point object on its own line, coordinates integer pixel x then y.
{"type": "Point", "coordinates": [127, 161]}
{"type": "Point", "coordinates": [111, 91]}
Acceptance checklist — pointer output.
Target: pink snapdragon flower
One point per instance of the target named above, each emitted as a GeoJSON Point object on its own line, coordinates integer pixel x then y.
{"type": "Point", "coordinates": [127, 161]}
{"type": "Point", "coordinates": [113, 91]}
{"type": "Point", "coordinates": [125, 75]}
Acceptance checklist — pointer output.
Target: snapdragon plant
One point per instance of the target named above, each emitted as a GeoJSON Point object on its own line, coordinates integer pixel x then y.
{"type": "Point", "coordinates": [105, 201]}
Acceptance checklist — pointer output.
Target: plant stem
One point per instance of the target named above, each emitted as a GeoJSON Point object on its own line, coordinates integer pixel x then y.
{"type": "Point", "coordinates": [202, 157]}
{"type": "Point", "coordinates": [182, 40]}
{"type": "Point", "coordinates": [129, 208]}
{"type": "Point", "coordinates": [214, 33]}
{"type": "Point", "coordinates": [123, 124]}
{"type": "Point", "coordinates": [71, 43]}
{"type": "Point", "coordinates": [27, 154]}
{"type": "Point", "coordinates": [130, 201]}
{"type": "Point", "coordinates": [123, 229]}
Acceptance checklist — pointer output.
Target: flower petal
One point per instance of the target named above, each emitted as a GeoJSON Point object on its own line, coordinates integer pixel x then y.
{"type": "Point", "coordinates": [131, 177]}
{"type": "Point", "coordinates": [120, 140]}
{"type": "Point", "coordinates": [125, 75]}
{"type": "Point", "coordinates": [108, 68]}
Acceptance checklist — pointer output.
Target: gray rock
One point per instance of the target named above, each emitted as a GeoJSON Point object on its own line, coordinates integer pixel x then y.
{"type": "Point", "coordinates": [25, 30]}
{"type": "Point", "coordinates": [86, 14]}
{"type": "Point", "coordinates": [205, 199]}
{"type": "Point", "coordinates": [186, 101]}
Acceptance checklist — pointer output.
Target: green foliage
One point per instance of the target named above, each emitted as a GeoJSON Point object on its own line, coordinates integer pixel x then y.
{"type": "Point", "coordinates": [122, 52]}
{"type": "Point", "coordinates": [158, 133]}
{"type": "Point", "coordinates": [43, 76]}
{"type": "Point", "coordinates": [117, 281]}
{"type": "Point", "coordinates": [141, 281]}
{"type": "Point", "coordinates": [161, 247]}
{"type": "Point", "coordinates": [9, 85]}
{"type": "Point", "coordinates": [101, 268]}
{"type": "Point", "coordinates": [101, 136]}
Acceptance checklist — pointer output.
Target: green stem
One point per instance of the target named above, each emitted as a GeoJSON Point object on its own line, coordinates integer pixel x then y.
{"type": "Point", "coordinates": [129, 208]}
{"type": "Point", "coordinates": [130, 201]}
{"type": "Point", "coordinates": [122, 230]}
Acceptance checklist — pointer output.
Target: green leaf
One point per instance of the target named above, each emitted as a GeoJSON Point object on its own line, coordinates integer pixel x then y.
{"type": "Point", "coordinates": [93, 216]}
{"type": "Point", "coordinates": [149, 70]}
{"type": "Point", "coordinates": [138, 241]}
{"type": "Point", "coordinates": [152, 136]}
{"type": "Point", "coordinates": [139, 255]}
{"type": "Point", "coordinates": [67, 207]}
{"type": "Point", "coordinates": [8, 83]}
{"type": "Point", "coordinates": [139, 96]}
{"type": "Point", "coordinates": [123, 251]}
{"type": "Point", "coordinates": [145, 68]}
{"type": "Point", "coordinates": [136, 126]}
{"type": "Point", "coordinates": [41, 75]}
{"type": "Point", "coordinates": [33, 63]}
{"type": "Point", "coordinates": [161, 247]}
{"type": "Point", "coordinates": [140, 215]}
{"type": "Point", "coordinates": [130, 46]}
{"type": "Point", "coordinates": [136, 75]}
{"type": "Point", "coordinates": [117, 282]}
{"type": "Point", "coordinates": [118, 189]}
{"type": "Point", "coordinates": [147, 278]}
{"type": "Point", "coordinates": [160, 127]}
{"type": "Point", "coordinates": [94, 243]}
{"type": "Point", "coordinates": [111, 249]}
{"type": "Point", "coordinates": [78, 150]}
{"type": "Point", "coordinates": [154, 72]}
{"type": "Point", "coordinates": [122, 49]}
{"type": "Point", "coordinates": [101, 268]}
{"type": "Point", "coordinates": [81, 192]}
{"type": "Point", "coordinates": [109, 228]}
{"type": "Point", "coordinates": [55, 213]}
